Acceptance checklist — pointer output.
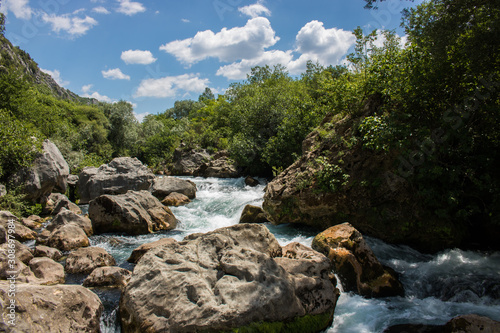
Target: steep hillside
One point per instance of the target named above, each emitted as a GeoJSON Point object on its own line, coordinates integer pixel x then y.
{"type": "Point", "coordinates": [14, 58]}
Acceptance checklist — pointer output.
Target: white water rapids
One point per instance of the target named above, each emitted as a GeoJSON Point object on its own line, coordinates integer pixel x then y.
{"type": "Point", "coordinates": [438, 287]}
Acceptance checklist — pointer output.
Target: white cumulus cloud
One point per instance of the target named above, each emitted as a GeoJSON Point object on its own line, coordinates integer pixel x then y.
{"type": "Point", "coordinates": [239, 70]}
{"type": "Point", "coordinates": [75, 26]}
{"type": "Point", "coordinates": [169, 86]}
{"type": "Point", "coordinates": [101, 10]}
{"type": "Point", "coordinates": [20, 8]}
{"type": "Point", "coordinates": [138, 57]}
{"type": "Point", "coordinates": [130, 8]}
{"type": "Point", "coordinates": [56, 75]}
{"type": "Point", "coordinates": [255, 10]}
{"type": "Point", "coordinates": [115, 74]}
{"type": "Point", "coordinates": [326, 46]}
{"type": "Point", "coordinates": [228, 45]}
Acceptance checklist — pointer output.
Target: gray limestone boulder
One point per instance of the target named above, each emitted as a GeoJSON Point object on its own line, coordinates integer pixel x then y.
{"type": "Point", "coordinates": [109, 277]}
{"type": "Point", "coordinates": [226, 280]}
{"type": "Point", "coordinates": [47, 271]}
{"type": "Point", "coordinates": [59, 308]}
{"type": "Point", "coordinates": [133, 213]}
{"type": "Point", "coordinates": [49, 174]}
{"type": "Point", "coordinates": [117, 177]}
{"type": "Point", "coordinates": [85, 260]}
{"type": "Point", "coordinates": [163, 186]}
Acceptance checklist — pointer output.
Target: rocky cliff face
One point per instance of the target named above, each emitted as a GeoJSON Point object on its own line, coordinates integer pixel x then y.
{"type": "Point", "coordinates": [339, 180]}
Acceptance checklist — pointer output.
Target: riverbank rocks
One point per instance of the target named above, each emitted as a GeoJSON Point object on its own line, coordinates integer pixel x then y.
{"type": "Point", "coordinates": [85, 260]}
{"type": "Point", "coordinates": [253, 214]}
{"type": "Point", "coordinates": [108, 277]}
{"type": "Point", "coordinates": [163, 186]}
{"type": "Point", "coordinates": [119, 176]}
{"type": "Point", "coordinates": [175, 200]}
{"type": "Point", "coordinates": [60, 308]}
{"type": "Point", "coordinates": [19, 231]}
{"type": "Point", "coordinates": [133, 213]}
{"type": "Point", "coordinates": [49, 252]}
{"type": "Point", "coordinates": [357, 267]}
{"type": "Point", "coordinates": [226, 280]}
{"type": "Point", "coordinates": [66, 216]}
{"type": "Point", "coordinates": [48, 174]}
{"type": "Point", "coordinates": [67, 237]}
{"type": "Point", "coordinates": [47, 271]}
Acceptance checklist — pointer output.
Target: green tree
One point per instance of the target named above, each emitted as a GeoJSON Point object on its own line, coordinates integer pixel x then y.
{"type": "Point", "coordinates": [123, 128]}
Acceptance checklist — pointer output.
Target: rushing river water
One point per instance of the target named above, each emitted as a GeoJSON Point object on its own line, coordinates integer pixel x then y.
{"type": "Point", "coordinates": [438, 287]}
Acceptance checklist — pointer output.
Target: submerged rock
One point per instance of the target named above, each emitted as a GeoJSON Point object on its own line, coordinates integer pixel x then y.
{"type": "Point", "coordinates": [357, 267]}
{"type": "Point", "coordinates": [253, 214]}
{"type": "Point", "coordinates": [60, 308]}
{"type": "Point", "coordinates": [175, 200]}
{"type": "Point", "coordinates": [134, 213]}
{"type": "Point", "coordinates": [226, 280]}
{"type": "Point", "coordinates": [119, 176]}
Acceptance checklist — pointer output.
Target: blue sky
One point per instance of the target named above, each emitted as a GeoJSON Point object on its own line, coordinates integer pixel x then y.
{"type": "Point", "coordinates": [154, 52]}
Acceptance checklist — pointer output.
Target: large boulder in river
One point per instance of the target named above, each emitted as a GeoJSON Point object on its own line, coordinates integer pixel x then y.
{"type": "Point", "coordinates": [48, 174]}
{"type": "Point", "coordinates": [226, 280]}
{"type": "Point", "coordinates": [108, 277]}
{"type": "Point", "coordinates": [119, 176]}
{"type": "Point", "coordinates": [60, 308]}
{"type": "Point", "coordinates": [222, 167]}
{"type": "Point", "coordinates": [133, 213]}
{"type": "Point", "coordinates": [253, 214]}
{"type": "Point", "coordinates": [357, 267]}
{"type": "Point", "coordinates": [163, 186]}
{"type": "Point", "coordinates": [68, 237]}
{"type": "Point", "coordinates": [185, 163]}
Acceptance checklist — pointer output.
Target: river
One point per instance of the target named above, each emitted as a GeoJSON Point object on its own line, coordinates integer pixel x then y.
{"type": "Point", "coordinates": [438, 287]}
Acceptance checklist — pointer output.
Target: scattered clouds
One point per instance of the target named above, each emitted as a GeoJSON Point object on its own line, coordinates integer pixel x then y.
{"type": "Point", "coordinates": [130, 8]}
{"type": "Point", "coordinates": [170, 86]}
{"type": "Point", "coordinates": [75, 26]}
{"type": "Point", "coordinates": [255, 10]}
{"type": "Point", "coordinates": [115, 74]}
{"type": "Point", "coordinates": [87, 92]}
{"type": "Point", "coordinates": [185, 20]}
{"type": "Point", "coordinates": [239, 70]}
{"type": "Point", "coordinates": [228, 45]}
{"type": "Point", "coordinates": [20, 8]}
{"type": "Point", "coordinates": [101, 10]}
{"type": "Point", "coordinates": [138, 57]}
{"type": "Point", "coordinates": [56, 75]}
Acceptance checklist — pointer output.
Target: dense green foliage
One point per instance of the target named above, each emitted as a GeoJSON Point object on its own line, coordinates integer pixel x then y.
{"type": "Point", "coordinates": [440, 112]}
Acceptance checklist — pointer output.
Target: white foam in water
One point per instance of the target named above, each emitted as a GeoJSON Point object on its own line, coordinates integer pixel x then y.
{"type": "Point", "coordinates": [438, 287]}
